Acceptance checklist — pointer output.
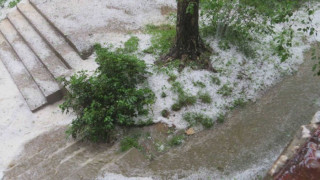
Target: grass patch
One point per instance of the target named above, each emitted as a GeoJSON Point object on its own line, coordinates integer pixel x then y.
{"type": "Point", "coordinates": [176, 140]}
{"type": "Point", "coordinates": [184, 99]}
{"type": "Point", "coordinates": [172, 77]}
{"type": "Point", "coordinates": [165, 113]}
{"type": "Point", "coordinates": [205, 97]}
{"type": "Point", "coordinates": [144, 123]}
{"type": "Point", "coordinates": [221, 118]}
{"type": "Point", "coordinates": [131, 45]}
{"type": "Point", "coordinates": [2, 3]}
{"type": "Point", "coordinates": [13, 3]}
{"type": "Point", "coordinates": [225, 90]}
{"type": "Point", "coordinates": [215, 80]}
{"type": "Point", "coordinates": [199, 84]}
{"type": "Point", "coordinates": [162, 38]}
{"type": "Point", "coordinates": [128, 143]}
{"type": "Point", "coordinates": [196, 118]}
{"type": "Point", "coordinates": [239, 103]}
{"type": "Point", "coordinates": [163, 95]}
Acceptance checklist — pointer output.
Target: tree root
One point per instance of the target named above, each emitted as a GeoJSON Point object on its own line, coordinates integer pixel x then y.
{"type": "Point", "coordinates": [201, 58]}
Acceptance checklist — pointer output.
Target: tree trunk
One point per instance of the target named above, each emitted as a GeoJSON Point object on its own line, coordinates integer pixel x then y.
{"type": "Point", "coordinates": [188, 44]}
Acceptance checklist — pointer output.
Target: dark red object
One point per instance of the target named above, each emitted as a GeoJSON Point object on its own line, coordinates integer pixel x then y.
{"type": "Point", "coordinates": [306, 164]}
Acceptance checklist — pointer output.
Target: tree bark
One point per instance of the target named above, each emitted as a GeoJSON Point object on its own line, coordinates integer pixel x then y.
{"type": "Point", "coordinates": [188, 44]}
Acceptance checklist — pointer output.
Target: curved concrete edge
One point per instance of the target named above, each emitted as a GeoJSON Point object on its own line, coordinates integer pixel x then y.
{"type": "Point", "coordinates": [301, 137]}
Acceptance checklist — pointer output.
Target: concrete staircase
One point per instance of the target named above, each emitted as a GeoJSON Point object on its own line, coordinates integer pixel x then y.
{"type": "Point", "coordinates": [35, 53]}
{"type": "Point", "coordinates": [52, 156]}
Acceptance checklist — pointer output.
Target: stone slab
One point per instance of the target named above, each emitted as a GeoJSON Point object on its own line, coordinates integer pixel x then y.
{"type": "Point", "coordinates": [25, 83]}
{"type": "Point", "coordinates": [56, 67]}
{"type": "Point", "coordinates": [40, 74]}
{"type": "Point", "coordinates": [50, 35]}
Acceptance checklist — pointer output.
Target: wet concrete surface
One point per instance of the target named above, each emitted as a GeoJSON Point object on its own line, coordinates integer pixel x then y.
{"type": "Point", "coordinates": [251, 134]}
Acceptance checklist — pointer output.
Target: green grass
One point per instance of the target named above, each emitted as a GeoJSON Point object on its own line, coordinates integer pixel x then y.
{"type": "Point", "coordinates": [176, 140]}
{"type": "Point", "coordinates": [162, 38]}
{"type": "Point", "coordinates": [199, 84]}
{"type": "Point", "coordinates": [13, 3]}
{"type": "Point", "coordinates": [172, 77]}
{"type": "Point", "coordinates": [239, 103]}
{"type": "Point", "coordinates": [165, 113]}
{"type": "Point", "coordinates": [128, 143]}
{"type": "Point", "coordinates": [2, 2]}
{"type": "Point", "coordinates": [196, 118]}
{"type": "Point", "coordinates": [220, 118]}
{"type": "Point", "coordinates": [205, 97]}
{"type": "Point", "coordinates": [131, 45]}
{"type": "Point", "coordinates": [215, 80]}
{"type": "Point", "coordinates": [163, 95]}
{"type": "Point", "coordinates": [225, 90]}
{"type": "Point", "coordinates": [276, 9]}
{"type": "Point", "coordinates": [184, 99]}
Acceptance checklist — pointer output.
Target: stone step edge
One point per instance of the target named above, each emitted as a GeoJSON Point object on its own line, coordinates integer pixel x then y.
{"type": "Point", "coordinates": [34, 156]}
{"type": "Point", "coordinates": [33, 110]}
{"type": "Point", "coordinates": [45, 39]}
{"type": "Point", "coordinates": [83, 55]}
{"type": "Point", "coordinates": [25, 39]}
{"type": "Point", "coordinates": [52, 98]}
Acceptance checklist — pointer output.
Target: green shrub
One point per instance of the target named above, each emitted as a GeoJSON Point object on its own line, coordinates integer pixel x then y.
{"type": "Point", "coordinates": [205, 97]}
{"type": "Point", "coordinates": [128, 143]}
{"type": "Point", "coordinates": [13, 3]}
{"type": "Point", "coordinates": [282, 44]}
{"type": "Point", "coordinates": [109, 97]}
{"type": "Point", "coordinates": [195, 118]}
{"type": "Point", "coordinates": [277, 10]}
{"type": "Point", "coordinates": [235, 22]}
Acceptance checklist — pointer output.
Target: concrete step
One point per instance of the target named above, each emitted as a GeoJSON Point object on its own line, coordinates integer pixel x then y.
{"type": "Point", "coordinates": [40, 74]}
{"type": "Point", "coordinates": [84, 54]}
{"type": "Point", "coordinates": [50, 34]}
{"type": "Point", "coordinates": [24, 81]}
{"type": "Point", "coordinates": [38, 149]}
{"type": "Point", "coordinates": [48, 162]}
{"type": "Point", "coordinates": [71, 163]}
{"type": "Point", "coordinates": [91, 168]}
{"type": "Point", "coordinates": [59, 164]}
{"type": "Point", "coordinates": [52, 62]}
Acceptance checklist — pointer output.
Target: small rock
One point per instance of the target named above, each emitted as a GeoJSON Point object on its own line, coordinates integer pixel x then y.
{"type": "Point", "coordinates": [190, 131]}
{"type": "Point", "coordinates": [316, 118]}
